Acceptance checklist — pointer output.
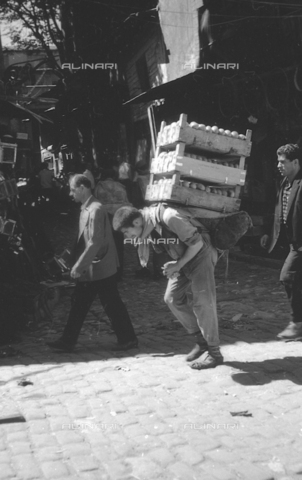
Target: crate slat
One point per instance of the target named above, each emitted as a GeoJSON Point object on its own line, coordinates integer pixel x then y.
{"type": "Point", "coordinates": [209, 141]}
{"type": "Point", "coordinates": [201, 170]}
{"type": "Point", "coordinates": [190, 197]}
{"type": "Point", "coordinates": [201, 139]}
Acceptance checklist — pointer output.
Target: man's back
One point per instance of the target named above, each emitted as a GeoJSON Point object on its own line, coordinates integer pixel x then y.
{"type": "Point", "coordinates": [99, 244]}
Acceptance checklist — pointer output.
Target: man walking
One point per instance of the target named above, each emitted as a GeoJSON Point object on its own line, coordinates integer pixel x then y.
{"type": "Point", "coordinates": [190, 293]}
{"type": "Point", "coordinates": [288, 224]}
{"type": "Point", "coordinates": [95, 270]}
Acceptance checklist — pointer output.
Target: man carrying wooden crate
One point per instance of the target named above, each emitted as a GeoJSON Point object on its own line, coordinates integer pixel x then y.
{"type": "Point", "coordinates": [191, 269]}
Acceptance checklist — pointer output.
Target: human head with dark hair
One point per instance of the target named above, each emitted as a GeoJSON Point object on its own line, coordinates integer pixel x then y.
{"type": "Point", "coordinates": [80, 188]}
{"type": "Point", "coordinates": [289, 160]}
{"type": "Point", "coordinates": [291, 151]}
{"type": "Point", "coordinates": [129, 221]}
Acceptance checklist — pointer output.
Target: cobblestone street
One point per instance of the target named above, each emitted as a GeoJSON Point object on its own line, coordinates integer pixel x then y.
{"type": "Point", "coordinates": [144, 414]}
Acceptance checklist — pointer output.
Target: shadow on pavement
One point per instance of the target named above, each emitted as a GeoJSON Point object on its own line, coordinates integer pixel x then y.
{"type": "Point", "coordinates": [41, 354]}
{"type": "Point", "coordinates": [267, 371]}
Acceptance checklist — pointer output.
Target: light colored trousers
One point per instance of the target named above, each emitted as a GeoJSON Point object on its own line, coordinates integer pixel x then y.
{"type": "Point", "coordinates": [191, 296]}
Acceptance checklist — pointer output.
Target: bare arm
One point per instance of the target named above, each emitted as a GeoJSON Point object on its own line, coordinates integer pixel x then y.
{"type": "Point", "coordinates": [173, 267]}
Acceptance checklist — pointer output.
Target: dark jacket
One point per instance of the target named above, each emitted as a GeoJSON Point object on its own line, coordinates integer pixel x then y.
{"type": "Point", "coordinates": [98, 257]}
{"type": "Point", "coordinates": [293, 224]}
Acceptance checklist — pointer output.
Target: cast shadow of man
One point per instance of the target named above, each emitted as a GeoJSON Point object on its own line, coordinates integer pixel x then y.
{"type": "Point", "coordinates": [267, 371]}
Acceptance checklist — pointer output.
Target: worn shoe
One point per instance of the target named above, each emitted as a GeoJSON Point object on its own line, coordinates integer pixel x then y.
{"type": "Point", "coordinates": [196, 352]}
{"type": "Point", "coordinates": [207, 360]}
{"type": "Point", "coordinates": [200, 348]}
{"type": "Point", "coordinates": [293, 331]}
{"type": "Point", "coordinates": [60, 345]}
{"type": "Point", "coordinates": [126, 345]}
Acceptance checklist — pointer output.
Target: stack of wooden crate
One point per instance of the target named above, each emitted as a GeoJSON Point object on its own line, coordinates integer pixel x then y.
{"type": "Point", "coordinates": [199, 166]}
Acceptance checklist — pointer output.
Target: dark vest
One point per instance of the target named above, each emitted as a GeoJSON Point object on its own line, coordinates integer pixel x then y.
{"type": "Point", "coordinates": [174, 250]}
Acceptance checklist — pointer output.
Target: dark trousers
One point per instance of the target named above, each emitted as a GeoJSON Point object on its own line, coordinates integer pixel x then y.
{"type": "Point", "coordinates": [291, 278]}
{"type": "Point", "coordinates": [118, 238]}
{"type": "Point", "coordinates": [84, 294]}
{"type": "Point", "coordinates": [119, 244]}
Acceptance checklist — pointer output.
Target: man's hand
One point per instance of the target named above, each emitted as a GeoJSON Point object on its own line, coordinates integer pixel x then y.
{"type": "Point", "coordinates": [74, 273]}
{"type": "Point", "coordinates": [264, 240]}
{"type": "Point", "coordinates": [171, 269]}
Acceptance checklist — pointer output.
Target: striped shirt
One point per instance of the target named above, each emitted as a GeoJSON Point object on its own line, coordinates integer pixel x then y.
{"type": "Point", "coordinates": [286, 193]}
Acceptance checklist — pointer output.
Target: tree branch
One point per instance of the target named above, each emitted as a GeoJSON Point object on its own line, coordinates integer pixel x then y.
{"type": "Point", "coordinates": [52, 13]}
{"type": "Point", "coordinates": [52, 36]}
{"type": "Point", "coordinates": [35, 30]}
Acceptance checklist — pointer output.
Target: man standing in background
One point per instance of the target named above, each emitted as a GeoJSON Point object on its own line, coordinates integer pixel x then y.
{"type": "Point", "coordinates": [287, 223]}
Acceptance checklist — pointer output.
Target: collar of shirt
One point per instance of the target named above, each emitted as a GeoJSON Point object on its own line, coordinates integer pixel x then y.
{"type": "Point", "coordinates": [290, 184]}
{"type": "Point", "coordinates": [287, 184]}
{"type": "Point", "coordinates": [85, 204]}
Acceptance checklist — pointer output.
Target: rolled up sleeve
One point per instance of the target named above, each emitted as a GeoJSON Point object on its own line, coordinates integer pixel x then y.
{"type": "Point", "coordinates": [181, 225]}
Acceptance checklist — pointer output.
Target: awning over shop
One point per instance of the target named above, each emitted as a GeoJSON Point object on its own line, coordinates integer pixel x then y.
{"type": "Point", "coordinates": [196, 82]}
{"type": "Point", "coordinates": [162, 91]}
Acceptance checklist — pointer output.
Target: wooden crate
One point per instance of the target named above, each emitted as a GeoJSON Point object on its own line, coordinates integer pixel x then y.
{"type": "Point", "coordinates": [195, 198]}
{"type": "Point", "coordinates": [184, 173]}
{"type": "Point", "coordinates": [201, 139]}
{"type": "Point", "coordinates": [200, 169]}
{"type": "Point", "coordinates": [210, 172]}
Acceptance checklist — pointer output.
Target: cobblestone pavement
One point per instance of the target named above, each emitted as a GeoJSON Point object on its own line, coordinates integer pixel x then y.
{"type": "Point", "coordinates": [144, 414]}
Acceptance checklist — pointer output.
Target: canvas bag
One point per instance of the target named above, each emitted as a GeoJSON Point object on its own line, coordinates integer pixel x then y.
{"type": "Point", "coordinates": [224, 231]}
